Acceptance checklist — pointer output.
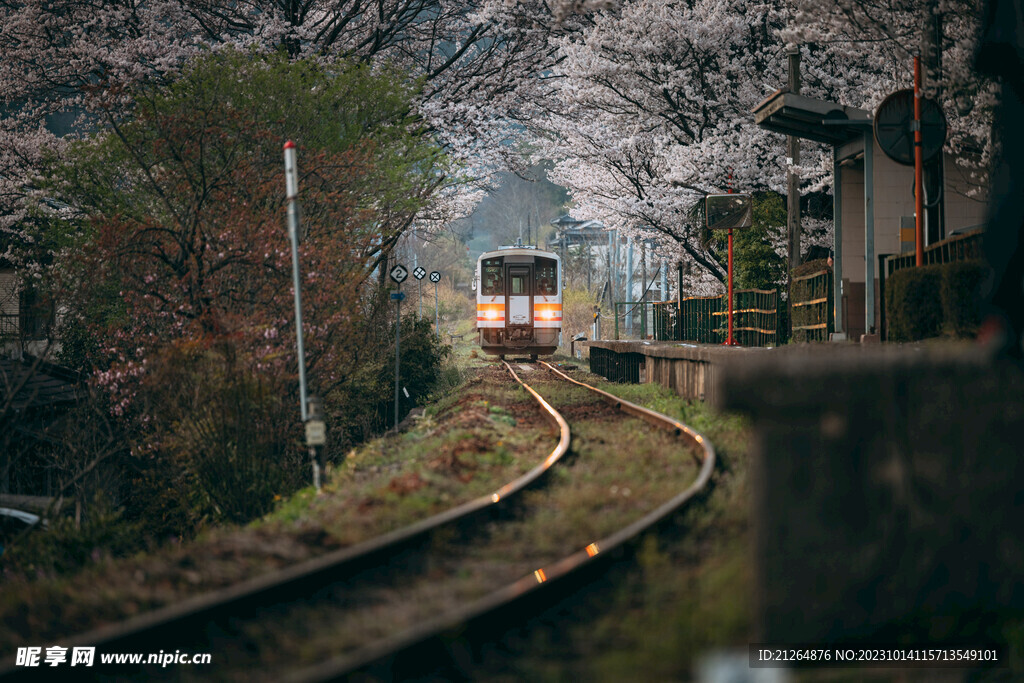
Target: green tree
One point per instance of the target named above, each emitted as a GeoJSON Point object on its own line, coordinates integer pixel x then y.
{"type": "Point", "coordinates": [756, 264]}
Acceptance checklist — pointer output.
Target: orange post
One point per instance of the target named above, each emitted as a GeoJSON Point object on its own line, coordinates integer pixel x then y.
{"type": "Point", "coordinates": [730, 341]}
{"type": "Point", "coordinates": [918, 168]}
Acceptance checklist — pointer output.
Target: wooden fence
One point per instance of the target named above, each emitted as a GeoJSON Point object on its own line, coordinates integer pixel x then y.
{"type": "Point", "coordinates": [812, 306]}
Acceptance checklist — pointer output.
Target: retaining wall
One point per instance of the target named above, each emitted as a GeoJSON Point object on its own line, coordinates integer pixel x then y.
{"type": "Point", "coordinates": [687, 369]}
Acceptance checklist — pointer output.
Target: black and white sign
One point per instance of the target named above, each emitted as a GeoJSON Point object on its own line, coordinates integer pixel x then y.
{"type": "Point", "coordinates": [435, 276]}
{"type": "Point", "coordinates": [419, 272]}
{"type": "Point", "coordinates": [399, 273]}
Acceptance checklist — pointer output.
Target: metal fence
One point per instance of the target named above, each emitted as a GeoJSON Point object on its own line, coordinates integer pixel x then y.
{"type": "Point", "coordinates": [10, 326]}
{"type": "Point", "coordinates": [25, 326]}
{"type": "Point", "coordinates": [956, 248]}
{"type": "Point", "coordinates": [812, 306]}
{"type": "Point", "coordinates": [702, 316]}
{"type": "Point", "coordinates": [635, 319]}
{"type": "Point", "coordinates": [703, 319]}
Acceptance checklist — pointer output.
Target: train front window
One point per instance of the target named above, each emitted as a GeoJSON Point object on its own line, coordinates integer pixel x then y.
{"type": "Point", "coordinates": [546, 273]}
{"type": "Point", "coordinates": [490, 273]}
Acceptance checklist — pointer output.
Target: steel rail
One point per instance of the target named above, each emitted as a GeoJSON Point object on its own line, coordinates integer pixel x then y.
{"type": "Point", "coordinates": [300, 578]}
{"type": "Point", "coordinates": [589, 554]}
{"type": "Point", "coordinates": [651, 416]}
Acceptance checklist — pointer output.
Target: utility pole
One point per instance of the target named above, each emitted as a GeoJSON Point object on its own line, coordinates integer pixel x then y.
{"type": "Point", "coordinates": [934, 172]}
{"type": "Point", "coordinates": [793, 180]}
{"type": "Point", "coordinates": [629, 285]}
{"type": "Point", "coordinates": [792, 187]}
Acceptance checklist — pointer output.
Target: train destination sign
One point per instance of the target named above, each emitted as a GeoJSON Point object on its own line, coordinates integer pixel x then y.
{"type": "Point", "coordinates": [419, 272]}
{"type": "Point", "coordinates": [435, 276]}
{"type": "Point", "coordinates": [399, 273]}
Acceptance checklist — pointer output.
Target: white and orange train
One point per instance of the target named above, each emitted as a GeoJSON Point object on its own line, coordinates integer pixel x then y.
{"type": "Point", "coordinates": [519, 301]}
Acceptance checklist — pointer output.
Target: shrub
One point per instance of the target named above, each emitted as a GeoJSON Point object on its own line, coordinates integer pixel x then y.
{"type": "Point", "coordinates": [224, 438]}
{"type": "Point", "coordinates": [454, 306]}
{"type": "Point", "coordinates": [913, 303]}
{"type": "Point", "coordinates": [924, 302]}
{"type": "Point", "coordinates": [64, 546]}
{"type": "Point", "coordinates": [363, 402]}
{"type": "Point", "coordinates": [961, 296]}
{"type": "Point", "coordinates": [577, 314]}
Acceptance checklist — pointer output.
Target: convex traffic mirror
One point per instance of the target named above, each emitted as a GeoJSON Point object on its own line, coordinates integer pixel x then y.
{"type": "Point", "coordinates": [727, 211]}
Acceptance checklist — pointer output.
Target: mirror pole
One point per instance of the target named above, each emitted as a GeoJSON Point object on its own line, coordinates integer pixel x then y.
{"type": "Point", "coordinates": [730, 341]}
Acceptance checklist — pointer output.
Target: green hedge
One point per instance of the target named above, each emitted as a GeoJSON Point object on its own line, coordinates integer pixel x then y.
{"type": "Point", "coordinates": [924, 302]}
{"type": "Point", "coordinates": [961, 296]}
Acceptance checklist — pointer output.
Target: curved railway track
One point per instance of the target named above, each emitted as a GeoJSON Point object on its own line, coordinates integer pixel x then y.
{"type": "Point", "coordinates": [379, 660]}
{"type": "Point", "coordinates": [220, 617]}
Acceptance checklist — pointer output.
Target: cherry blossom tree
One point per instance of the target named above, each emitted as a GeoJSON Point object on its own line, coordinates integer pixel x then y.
{"type": "Point", "coordinates": [480, 64]}
{"type": "Point", "coordinates": [883, 37]}
{"type": "Point", "coordinates": [653, 105]}
{"type": "Point", "coordinates": [180, 208]}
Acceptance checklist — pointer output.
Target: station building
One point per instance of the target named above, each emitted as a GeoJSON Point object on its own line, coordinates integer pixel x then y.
{"type": "Point", "coordinates": [874, 205]}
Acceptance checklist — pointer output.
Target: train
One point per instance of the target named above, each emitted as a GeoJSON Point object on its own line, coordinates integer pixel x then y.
{"type": "Point", "coordinates": [519, 301]}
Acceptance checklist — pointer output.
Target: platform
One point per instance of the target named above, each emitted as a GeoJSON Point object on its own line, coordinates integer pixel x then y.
{"type": "Point", "coordinates": [688, 369]}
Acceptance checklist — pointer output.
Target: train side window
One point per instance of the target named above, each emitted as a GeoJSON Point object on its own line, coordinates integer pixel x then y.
{"type": "Point", "coordinates": [547, 277]}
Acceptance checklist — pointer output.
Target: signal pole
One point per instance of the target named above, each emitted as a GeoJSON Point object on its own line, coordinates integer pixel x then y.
{"type": "Point", "coordinates": [314, 425]}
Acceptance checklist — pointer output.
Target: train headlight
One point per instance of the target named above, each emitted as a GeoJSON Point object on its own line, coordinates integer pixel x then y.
{"type": "Point", "coordinates": [492, 314]}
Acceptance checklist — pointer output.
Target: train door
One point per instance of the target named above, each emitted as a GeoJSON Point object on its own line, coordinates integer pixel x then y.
{"type": "Point", "coordinates": [519, 295]}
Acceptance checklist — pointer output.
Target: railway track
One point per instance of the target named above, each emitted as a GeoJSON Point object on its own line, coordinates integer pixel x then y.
{"type": "Point", "coordinates": [352, 600]}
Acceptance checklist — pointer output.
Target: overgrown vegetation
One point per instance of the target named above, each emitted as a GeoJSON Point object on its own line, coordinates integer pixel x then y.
{"type": "Point", "coordinates": [577, 314]}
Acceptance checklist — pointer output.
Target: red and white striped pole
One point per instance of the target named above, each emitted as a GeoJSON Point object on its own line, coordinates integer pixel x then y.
{"type": "Point", "coordinates": [310, 408]}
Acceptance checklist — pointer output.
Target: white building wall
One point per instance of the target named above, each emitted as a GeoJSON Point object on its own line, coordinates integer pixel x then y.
{"type": "Point", "coordinates": [894, 198]}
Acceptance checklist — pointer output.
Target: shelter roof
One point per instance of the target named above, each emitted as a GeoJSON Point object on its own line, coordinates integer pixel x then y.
{"type": "Point", "coordinates": [36, 384]}
{"type": "Point", "coordinates": [813, 119]}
